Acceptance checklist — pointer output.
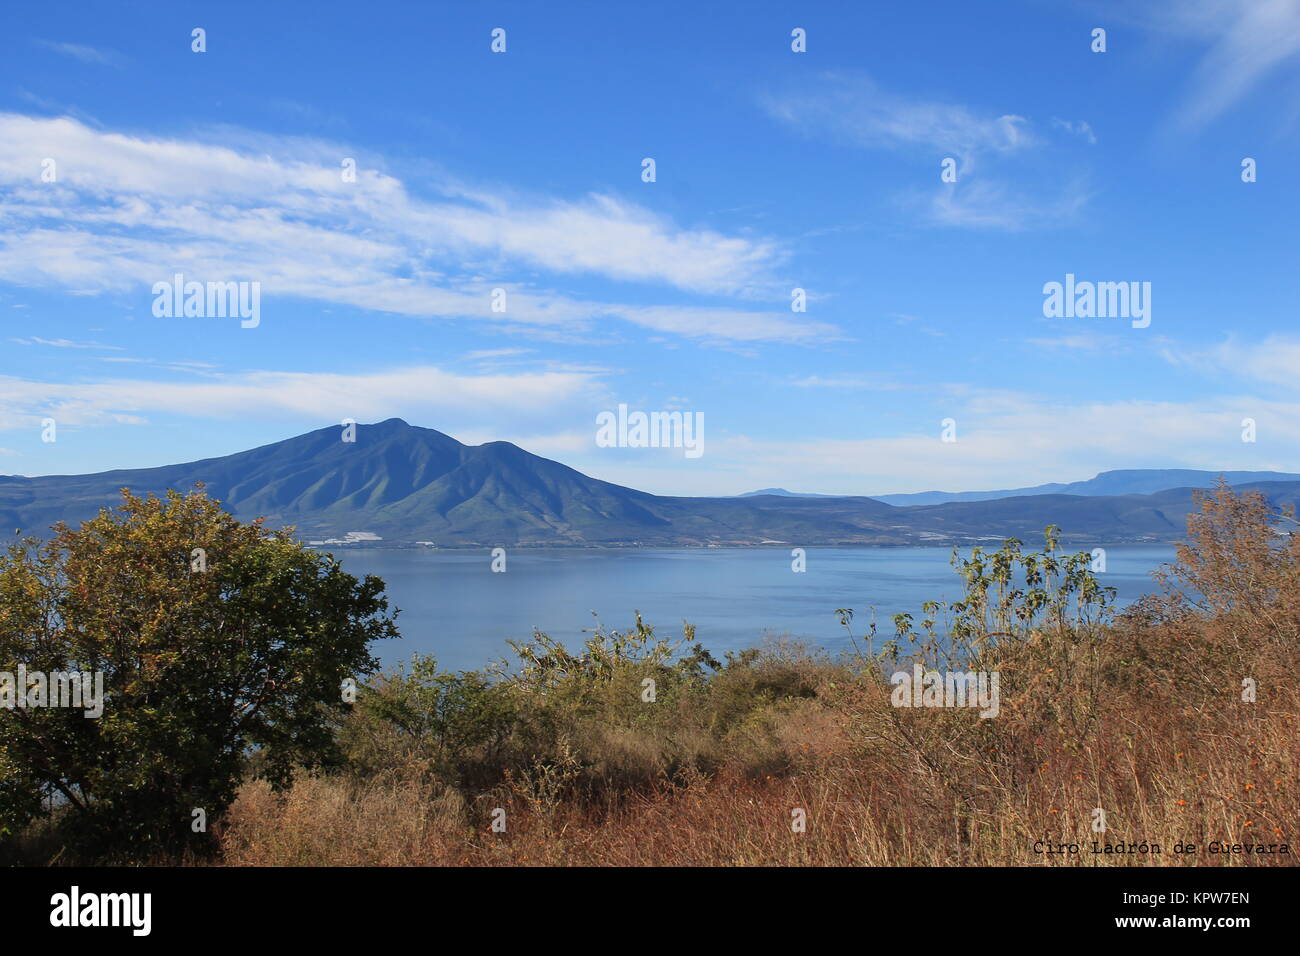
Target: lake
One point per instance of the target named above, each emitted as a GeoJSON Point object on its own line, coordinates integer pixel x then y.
{"type": "Point", "coordinates": [456, 608]}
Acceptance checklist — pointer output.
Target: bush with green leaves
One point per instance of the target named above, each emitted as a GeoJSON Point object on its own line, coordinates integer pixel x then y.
{"type": "Point", "coordinates": [218, 640]}
{"type": "Point", "coordinates": [419, 721]}
{"type": "Point", "coordinates": [1036, 619]}
{"type": "Point", "coordinates": [627, 710]}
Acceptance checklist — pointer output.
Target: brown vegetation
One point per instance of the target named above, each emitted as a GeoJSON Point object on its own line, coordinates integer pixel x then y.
{"type": "Point", "coordinates": [1145, 715]}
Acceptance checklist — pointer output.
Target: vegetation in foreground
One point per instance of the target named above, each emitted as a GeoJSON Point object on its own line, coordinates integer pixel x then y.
{"type": "Point", "coordinates": [1179, 719]}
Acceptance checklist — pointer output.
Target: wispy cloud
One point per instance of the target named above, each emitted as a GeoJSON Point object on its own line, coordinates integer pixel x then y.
{"type": "Point", "coordinates": [847, 382]}
{"type": "Point", "coordinates": [128, 211]}
{"type": "Point", "coordinates": [481, 354]}
{"type": "Point", "coordinates": [1043, 441]}
{"type": "Point", "coordinates": [1273, 360]}
{"type": "Point", "coordinates": [1247, 41]}
{"type": "Point", "coordinates": [64, 343]}
{"type": "Point", "coordinates": [86, 54]}
{"type": "Point", "coordinates": [986, 204]}
{"type": "Point", "coordinates": [1004, 440]}
{"type": "Point", "coordinates": [1084, 342]}
{"type": "Point", "coordinates": [490, 401]}
{"type": "Point", "coordinates": [1080, 128]}
{"type": "Point", "coordinates": [856, 111]}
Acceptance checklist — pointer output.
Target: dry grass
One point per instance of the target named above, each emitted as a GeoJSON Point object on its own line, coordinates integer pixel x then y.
{"type": "Point", "coordinates": [1143, 717]}
{"type": "Point", "coordinates": [338, 822]}
{"type": "Point", "coordinates": [1234, 782]}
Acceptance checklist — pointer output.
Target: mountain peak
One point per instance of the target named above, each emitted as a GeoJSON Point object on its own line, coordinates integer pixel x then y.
{"type": "Point", "coordinates": [783, 493]}
{"type": "Point", "coordinates": [402, 430]}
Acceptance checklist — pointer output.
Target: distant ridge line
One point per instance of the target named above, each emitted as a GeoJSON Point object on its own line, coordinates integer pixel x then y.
{"type": "Point", "coordinates": [401, 485]}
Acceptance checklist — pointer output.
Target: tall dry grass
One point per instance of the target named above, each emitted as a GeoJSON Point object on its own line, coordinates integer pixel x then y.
{"type": "Point", "coordinates": [1160, 781]}
{"type": "Point", "coordinates": [1146, 716]}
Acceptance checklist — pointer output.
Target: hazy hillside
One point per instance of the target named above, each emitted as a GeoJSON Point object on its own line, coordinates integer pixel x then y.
{"type": "Point", "coordinates": [1130, 481]}
{"type": "Point", "coordinates": [406, 484]}
{"type": "Point", "coordinates": [783, 493]}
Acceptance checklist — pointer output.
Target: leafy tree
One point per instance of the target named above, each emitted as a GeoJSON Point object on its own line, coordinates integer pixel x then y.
{"type": "Point", "coordinates": [217, 641]}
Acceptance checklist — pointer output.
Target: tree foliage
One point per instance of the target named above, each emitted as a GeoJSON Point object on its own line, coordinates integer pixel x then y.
{"type": "Point", "coordinates": [217, 640]}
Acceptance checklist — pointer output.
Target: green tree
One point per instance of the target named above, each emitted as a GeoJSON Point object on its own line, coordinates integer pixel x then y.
{"type": "Point", "coordinates": [218, 641]}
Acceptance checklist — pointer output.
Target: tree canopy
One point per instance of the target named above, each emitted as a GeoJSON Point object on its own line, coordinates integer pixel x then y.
{"type": "Point", "coordinates": [220, 643]}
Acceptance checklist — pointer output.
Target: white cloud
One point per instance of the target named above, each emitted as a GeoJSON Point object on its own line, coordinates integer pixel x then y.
{"type": "Point", "coordinates": [86, 54]}
{"type": "Point", "coordinates": [728, 324]}
{"type": "Point", "coordinates": [871, 383]}
{"type": "Point", "coordinates": [486, 401]}
{"type": "Point", "coordinates": [1248, 41]}
{"type": "Point", "coordinates": [1080, 128]}
{"type": "Point", "coordinates": [480, 354]}
{"type": "Point", "coordinates": [127, 211]}
{"type": "Point", "coordinates": [1274, 360]}
{"type": "Point", "coordinates": [985, 204]}
{"type": "Point", "coordinates": [1085, 342]}
{"type": "Point", "coordinates": [857, 111]}
{"type": "Point", "coordinates": [1004, 440]}
{"type": "Point", "coordinates": [65, 344]}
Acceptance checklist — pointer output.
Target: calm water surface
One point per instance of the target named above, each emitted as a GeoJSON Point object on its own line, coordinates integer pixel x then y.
{"type": "Point", "coordinates": [454, 607]}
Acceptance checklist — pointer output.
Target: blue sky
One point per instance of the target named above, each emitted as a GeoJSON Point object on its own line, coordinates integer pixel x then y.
{"type": "Point", "coordinates": [522, 171]}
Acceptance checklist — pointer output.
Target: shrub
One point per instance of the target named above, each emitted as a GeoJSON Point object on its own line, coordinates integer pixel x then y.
{"type": "Point", "coordinates": [207, 656]}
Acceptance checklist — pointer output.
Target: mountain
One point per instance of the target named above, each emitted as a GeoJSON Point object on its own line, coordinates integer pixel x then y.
{"type": "Point", "coordinates": [399, 485]}
{"type": "Point", "coordinates": [782, 493]}
{"type": "Point", "coordinates": [1095, 518]}
{"type": "Point", "coordinates": [395, 480]}
{"type": "Point", "coordinates": [1132, 481]}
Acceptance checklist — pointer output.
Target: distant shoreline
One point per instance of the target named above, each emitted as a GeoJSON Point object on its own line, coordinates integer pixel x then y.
{"type": "Point", "coordinates": [407, 546]}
